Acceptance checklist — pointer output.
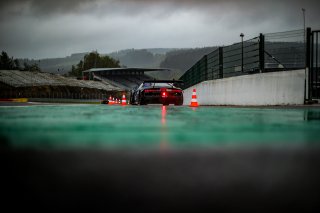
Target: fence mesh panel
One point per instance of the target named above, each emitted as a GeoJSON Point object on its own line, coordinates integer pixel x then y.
{"type": "Point", "coordinates": [285, 50]}
{"type": "Point", "coordinates": [213, 65]}
{"type": "Point", "coordinates": [234, 60]}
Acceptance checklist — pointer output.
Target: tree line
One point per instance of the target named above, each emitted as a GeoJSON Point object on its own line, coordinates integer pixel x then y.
{"type": "Point", "coordinates": [183, 59]}
{"type": "Point", "coordinates": [93, 60]}
{"type": "Point", "coordinates": [9, 63]}
{"type": "Point", "coordinates": [138, 58]}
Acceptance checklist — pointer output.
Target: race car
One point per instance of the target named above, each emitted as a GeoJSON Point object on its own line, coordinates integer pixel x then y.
{"type": "Point", "coordinates": [163, 92]}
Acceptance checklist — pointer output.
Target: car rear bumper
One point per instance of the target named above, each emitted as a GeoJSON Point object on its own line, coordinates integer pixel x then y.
{"type": "Point", "coordinates": [166, 100]}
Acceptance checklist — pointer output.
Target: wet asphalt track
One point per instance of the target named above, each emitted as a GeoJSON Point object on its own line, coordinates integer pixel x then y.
{"type": "Point", "coordinates": [156, 126]}
{"type": "Point", "coordinates": [156, 159]}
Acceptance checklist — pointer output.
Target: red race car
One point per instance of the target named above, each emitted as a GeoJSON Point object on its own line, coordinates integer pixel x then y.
{"type": "Point", "coordinates": [158, 92]}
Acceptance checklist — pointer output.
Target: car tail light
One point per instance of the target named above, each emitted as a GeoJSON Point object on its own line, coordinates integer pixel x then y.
{"type": "Point", "coordinates": [164, 93]}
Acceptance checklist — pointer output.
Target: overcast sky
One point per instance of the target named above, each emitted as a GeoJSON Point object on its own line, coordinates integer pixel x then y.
{"type": "Point", "coordinates": [46, 28]}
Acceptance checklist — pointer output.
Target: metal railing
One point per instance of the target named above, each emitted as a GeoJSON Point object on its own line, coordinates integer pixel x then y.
{"type": "Point", "coordinates": [265, 53]}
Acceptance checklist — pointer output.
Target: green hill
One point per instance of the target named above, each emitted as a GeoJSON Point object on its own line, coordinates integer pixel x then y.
{"type": "Point", "coordinates": [178, 60]}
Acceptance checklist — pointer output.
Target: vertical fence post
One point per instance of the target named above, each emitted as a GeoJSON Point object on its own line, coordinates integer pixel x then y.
{"type": "Point", "coordinates": [241, 35]}
{"type": "Point", "coordinates": [309, 62]}
{"type": "Point", "coordinates": [220, 62]}
{"type": "Point", "coordinates": [206, 68]}
{"type": "Point", "coordinates": [261, 52]}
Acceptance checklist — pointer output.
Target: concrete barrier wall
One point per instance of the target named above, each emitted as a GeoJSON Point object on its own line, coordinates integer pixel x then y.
{"type": "Point", "coordinates": [276, 88]}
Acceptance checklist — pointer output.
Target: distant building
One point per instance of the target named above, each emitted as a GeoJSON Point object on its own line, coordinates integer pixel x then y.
{"type": "Point", "coordinates": [125, 78]}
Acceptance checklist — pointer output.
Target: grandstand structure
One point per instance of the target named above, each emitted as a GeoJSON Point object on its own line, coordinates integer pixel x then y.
{"type": "Point", "coordinates": [97, 83]}
{"type": "Point", "coordinates": [16, 78]}
{"type": "Point", "coordinates": [14, 83]}
{"type": "Point", "coordinates": [124, 78]}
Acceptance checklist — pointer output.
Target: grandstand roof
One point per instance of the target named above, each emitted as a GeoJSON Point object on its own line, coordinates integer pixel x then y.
{"type": "Point", "coordinates": [16, 78]}
{"type": "Point", "coordinates": [125, 69]}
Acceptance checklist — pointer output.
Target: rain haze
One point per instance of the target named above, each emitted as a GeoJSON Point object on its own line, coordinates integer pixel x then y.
{"type": "Point", "coordinates": [46, 29]}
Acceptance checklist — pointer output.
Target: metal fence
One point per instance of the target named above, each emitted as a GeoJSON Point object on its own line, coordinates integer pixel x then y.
{"type": "Point", "coordinates": [285, 50]}
{"type": "Point", "coordinates": [314, 63]}
{"type": "Point", "coordinates": [265, 53]}
{"type": "Point", "coordinates": [241, 58]}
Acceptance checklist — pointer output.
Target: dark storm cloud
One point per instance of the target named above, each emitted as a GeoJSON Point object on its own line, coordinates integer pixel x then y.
{"type": "Point", "coordinates": [61, 27]}
{"type": "Point", "coordinates": [45, 7]}
{"type": "Point", "coordinates": [250, 10]}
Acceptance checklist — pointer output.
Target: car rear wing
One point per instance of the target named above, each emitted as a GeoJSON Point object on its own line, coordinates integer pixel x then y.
{"type": "Point", "coordinates": [177, 83]}
{"type": "Point", "coordinates": [164, 81]}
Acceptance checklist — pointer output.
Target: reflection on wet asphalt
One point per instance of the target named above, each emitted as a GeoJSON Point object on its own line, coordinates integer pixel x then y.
{"type": "Point", "coordinates": [155, 126]}
{"type": "Point", "coordinates": [159, 159]}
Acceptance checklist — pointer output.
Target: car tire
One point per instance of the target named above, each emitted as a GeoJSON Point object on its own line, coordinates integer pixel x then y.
{"type": "Point", "coordinates": [141, 101]}
{"type": "Point", "coordinates": [131, 99]}
{"type": "Point", "coordinates": [178, 103]}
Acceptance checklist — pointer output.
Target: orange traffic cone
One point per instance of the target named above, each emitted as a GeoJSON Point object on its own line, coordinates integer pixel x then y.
{"type": "Point", "coordinates": [124, 101]}
{"type": "Point", "coordinates": [110, 100]}
{"type": "Point", "coordinates": [194, 102]}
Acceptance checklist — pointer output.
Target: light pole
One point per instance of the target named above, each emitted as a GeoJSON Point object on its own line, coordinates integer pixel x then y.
{"type": "Point", "coordinates": [241, 35]}
{"type": "Point", "coordinates": [304, 19]}
{"type": "Point", "coordinates": [304, 27]}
